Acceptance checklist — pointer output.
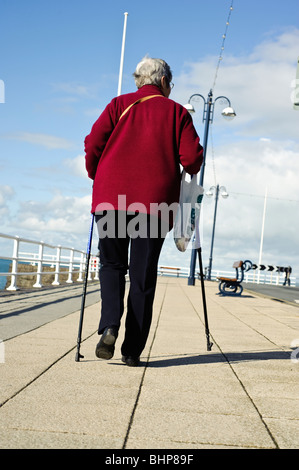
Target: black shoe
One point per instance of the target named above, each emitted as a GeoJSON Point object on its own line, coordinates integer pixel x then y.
{"type": "Point", "coordinates": [131, 361]}
{"type": "Point", "coordinates": [106, 345]}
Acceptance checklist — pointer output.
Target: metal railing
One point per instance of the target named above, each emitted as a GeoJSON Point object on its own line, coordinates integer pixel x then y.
{"type": "Point", "coordinates": [70, 258]}
{"type": "Point", "coordinates": [75, 260]}
{"type": "Point", "coordinates": [173, 271]}
{"type": "Point", "coordinates": [262, 277]}
{"type": "Point", "coordinates": [272, 278]}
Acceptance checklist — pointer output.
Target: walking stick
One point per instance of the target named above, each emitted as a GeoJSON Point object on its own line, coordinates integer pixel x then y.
{"type": "Point", "coordinates": [78, 355]}
{"type": "Point", "coordinates": [209, 344]}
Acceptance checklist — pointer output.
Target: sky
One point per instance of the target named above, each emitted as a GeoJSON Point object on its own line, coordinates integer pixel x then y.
{"type": "Point", "coordinates": [59, 68]}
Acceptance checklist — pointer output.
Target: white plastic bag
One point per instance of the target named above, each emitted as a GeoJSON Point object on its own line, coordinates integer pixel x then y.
{"type": "Point", "coordinates": [187, 218]}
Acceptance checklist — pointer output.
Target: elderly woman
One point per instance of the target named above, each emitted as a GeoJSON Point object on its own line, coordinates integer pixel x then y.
{"type": "Point", "coordinates": [133, 154]}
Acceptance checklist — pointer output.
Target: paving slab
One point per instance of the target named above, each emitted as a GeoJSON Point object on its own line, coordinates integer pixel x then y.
{"type": "Point", "coordinates": [243, 394]}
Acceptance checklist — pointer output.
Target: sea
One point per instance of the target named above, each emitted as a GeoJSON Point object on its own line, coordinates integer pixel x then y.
{"type": "Point", "coordinates": [4, 268]}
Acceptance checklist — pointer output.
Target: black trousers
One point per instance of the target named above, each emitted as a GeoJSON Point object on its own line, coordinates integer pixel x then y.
{"type": "Point", "coordinates": [135, 247]}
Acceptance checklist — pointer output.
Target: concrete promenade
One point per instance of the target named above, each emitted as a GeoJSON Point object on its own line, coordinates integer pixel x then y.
{"type": "Point", "coordinates": [244, 394]}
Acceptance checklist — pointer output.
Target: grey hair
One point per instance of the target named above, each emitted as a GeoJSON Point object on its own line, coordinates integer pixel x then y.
{"type": "Point", "coordinates": [150, 71]}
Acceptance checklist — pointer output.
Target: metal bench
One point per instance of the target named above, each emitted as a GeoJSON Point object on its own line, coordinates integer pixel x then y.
{"type": "Point", "coordinates": [169, 270]}
{"type": "Point", "coordinates": [233, 286]}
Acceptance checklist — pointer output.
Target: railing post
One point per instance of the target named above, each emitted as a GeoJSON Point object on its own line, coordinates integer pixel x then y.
{"type": "Point", "coordinates": [14, 267]}
{"type": "Point", "coordinates": [57, 267]}
{"type": "Point", "coordinates": [96, 266]}
{"type": "Point", "coordinates": [89, 270]}
{"type": "Point", "coordinates": [80, 277]}
{"type": "Point", "coordinates": [39, 266]}
{"type": "Point", "coordinates": [70, 278]}
{"type": "Point", "coordinates": [91, 267]}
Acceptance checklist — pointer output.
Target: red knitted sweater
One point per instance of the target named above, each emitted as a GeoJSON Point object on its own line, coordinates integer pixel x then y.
{"type": "Point", "coordinates": [138, 156]}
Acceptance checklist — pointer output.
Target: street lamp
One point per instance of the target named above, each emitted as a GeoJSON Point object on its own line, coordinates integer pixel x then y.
{"type": "Point", "coordinates": [208, 113]}
{"type": "Point", "coordinates": [210, 193]}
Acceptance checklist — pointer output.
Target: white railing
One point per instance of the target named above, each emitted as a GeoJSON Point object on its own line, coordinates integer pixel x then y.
{"type": "Point", "coordinates": [173, 271]}
{"type": "Point", "coordinates": [257, 277]}
{"type": "Point", "coordinates": [75, 261]}
{"type": "Point", "coordinates": [70, 258]}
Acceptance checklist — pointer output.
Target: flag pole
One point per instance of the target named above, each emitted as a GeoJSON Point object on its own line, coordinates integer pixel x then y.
{"type": "Point", "coordinates": [262, 234]}
{"type": "Point", "coordinates": [122, 55]}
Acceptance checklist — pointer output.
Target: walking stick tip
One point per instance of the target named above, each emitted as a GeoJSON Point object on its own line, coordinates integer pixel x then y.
{"type": "Point", "coordinates": [78, 357]}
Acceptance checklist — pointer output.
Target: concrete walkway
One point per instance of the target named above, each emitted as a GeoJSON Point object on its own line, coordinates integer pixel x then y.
{"type": "Point", "coordinates": [243, 394]}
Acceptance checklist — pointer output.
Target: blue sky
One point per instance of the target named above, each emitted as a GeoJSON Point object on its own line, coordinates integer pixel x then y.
{"type": "Point", "coordinates": [59, 62]}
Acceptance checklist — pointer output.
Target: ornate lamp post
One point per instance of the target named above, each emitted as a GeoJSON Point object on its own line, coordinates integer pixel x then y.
{"type": "Point", "coordinates": [210, 193]}
{"type": "Point", "coordinates": [208, 114]}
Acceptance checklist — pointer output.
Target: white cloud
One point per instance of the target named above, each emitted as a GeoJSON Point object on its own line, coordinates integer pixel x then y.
{"type": "Point", "coordinates": [6, 193]}
{"type": "Point", "coordinates": [246, 169]}
{"type": "Point", "coordinates": [76, 166]}
{"type": "Point", "coordinates": [258, 149]}
{"type": "Point", "coordinates": [259, 87]}
{"type": "Point", "coordinates": [93, 112]}
{"type": "Point", "coordinates": [63, 220]}
{"type": "Point", "coordinates": [45, 140]}
{"type": "Point", "coordinates": [72, 88]}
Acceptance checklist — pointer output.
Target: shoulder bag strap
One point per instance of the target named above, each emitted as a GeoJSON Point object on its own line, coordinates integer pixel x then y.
{"type": "Point", "coordinates": [136, 102]}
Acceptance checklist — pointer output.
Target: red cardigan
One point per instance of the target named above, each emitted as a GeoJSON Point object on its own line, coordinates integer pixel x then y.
{"type": "Point", "coordinates": [138, 156]}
